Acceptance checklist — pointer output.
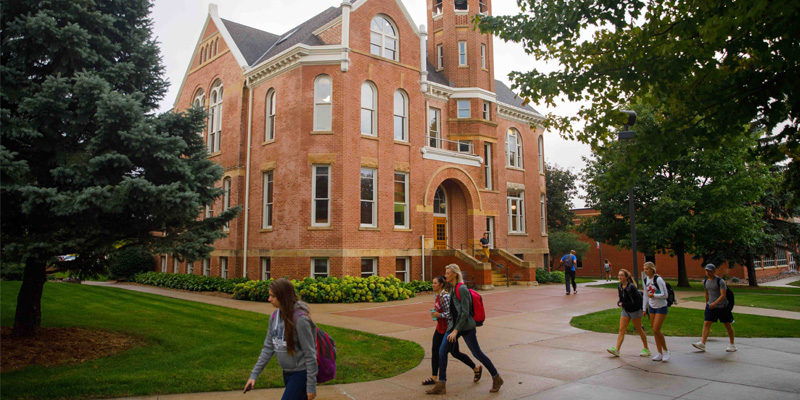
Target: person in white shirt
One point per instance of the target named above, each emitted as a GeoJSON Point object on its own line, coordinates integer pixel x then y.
{"type": "Point", "coordinates": [656, 308]}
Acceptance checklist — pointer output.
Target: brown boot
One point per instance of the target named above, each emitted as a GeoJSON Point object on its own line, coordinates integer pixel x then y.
{"type": "Point", "coordinates": [439, 388]}
{"type": "Point", "coordinates": [497, 381]}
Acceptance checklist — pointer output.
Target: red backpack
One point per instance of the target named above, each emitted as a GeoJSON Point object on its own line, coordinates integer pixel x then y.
{"type": "Point", "coordinates": [476, 310]}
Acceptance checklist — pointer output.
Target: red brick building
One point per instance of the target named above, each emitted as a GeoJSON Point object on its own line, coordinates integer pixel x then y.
{"type": "Point", "coordinates": [359, 144]}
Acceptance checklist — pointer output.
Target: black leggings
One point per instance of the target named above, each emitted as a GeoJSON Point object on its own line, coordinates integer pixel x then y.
{"type": "Point", "coordinates": [437, 343]}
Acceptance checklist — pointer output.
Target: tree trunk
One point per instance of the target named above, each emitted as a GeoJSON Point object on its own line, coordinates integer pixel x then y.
{"type": "Point", "coordinates": [28, 318]}
{"type": "Point", "coordinates": [680, 254]}
{"type": "Point", "coordinates": [751, 270]}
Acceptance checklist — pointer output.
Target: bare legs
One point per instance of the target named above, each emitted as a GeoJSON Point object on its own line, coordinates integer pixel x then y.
{"type": "Point", "coordinates": [707, 330]}
{"type": "Point", "coordinates": [623, 326]}
{"type": "Point", "coordinates": [657, 320]}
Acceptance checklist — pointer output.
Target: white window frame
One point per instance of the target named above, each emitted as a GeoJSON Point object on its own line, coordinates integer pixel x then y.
{"type": "Point", "coordinates": [190, 268]}
{"type": "Point", "coordinates": [315, 199]}
{"type": "Point", "coordinates": [543, 201]}
{"type": "Point", "coordinates": [435, 135]}
{"type": "Point", "coordinates": [400, 116]}
{"type": "Point", "coordinates": [207, 267]}
{"type": "Point", "coordinates": [439, 56]}
{"type": "Point", "coordinates": [462, 53]}
{"type": "Point", "coordinates": [406, 268]}
{"type": "Point", "coordinates": [483, 55]}
{"type": "Point", "coordinates": [209, 211]}
{"type": "Point", "coordinates": [516, 201]}
{"type": "Point", "coordinates": [437, 7]}
{"type": "Point", "coordinates": [215, 118]}
{"type": "Point", "coordinates": [487, 165]}
{"type": "Point", "coordinates": [268, 194]}
{"type": "Point", "coordinates": [226, 198]}
{"type": "Point", "coordinates": [269, 133]}
{"type": "Point", "coordinates": [490, 229]}
{"type": "Point", "coordinates": [163, 263]}
{"type": "Point", "coordinates": [487, 111]}
{"type": "Point", "coordinates": [541, 154]}
{"type": "Point", "coordinates": [374, 271]}
{"type": "Point", "coordinates": [266, 268]}
{"type": "Point", "coordinates": [369, 109]}
{"type": "Point", "coordinates": [315, 274]}
{"type": "Point", "coordinates": [323, 108]}
{"type": "Point", "coordinates": [223, 267]}
{"type": "Point", "coordinates": [513, 150]}
{"type": "Point", "coordinates": [463, 109]}
{"type": "Point", "coordinates": [384, 38]}
{"type": "Point", "coordinates": [176, 265]}
{"type": "Point", "coordinates": [401, 205]}
{"type": "Point", "coordinates": [465, 146]}
{"type": "Point", "coordinates": [374, 200]}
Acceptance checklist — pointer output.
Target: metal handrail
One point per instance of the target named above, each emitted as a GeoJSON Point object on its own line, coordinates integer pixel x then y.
{"type": "Point", "coordinates": [438, 143]}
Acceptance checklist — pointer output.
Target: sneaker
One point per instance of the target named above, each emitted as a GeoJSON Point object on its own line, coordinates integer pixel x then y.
{"type": "Point", "coordinates": [699, 346]}
{"type": "Point", "coordinates": [658, 357]}
{"type": "Point", "coordinates": [567, 293]}
{"type": "Point", "coordinates": [645, 353]}
{"type": "Point", "coordinates": [665, 358]}
{"type": "Point", "coordinates": [613, 350]}
{"type": "Point", "coordinates": [731, 348]}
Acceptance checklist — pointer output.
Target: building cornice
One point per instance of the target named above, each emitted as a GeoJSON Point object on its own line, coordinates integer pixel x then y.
{"type": "Point", "coordinates": [520, 115]}
{"type": "Point", "coordinates": [291, 58]}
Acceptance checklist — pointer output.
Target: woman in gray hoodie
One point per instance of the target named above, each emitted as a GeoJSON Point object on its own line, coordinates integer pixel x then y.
{"type": "Point", "coordinates": [297, 351]}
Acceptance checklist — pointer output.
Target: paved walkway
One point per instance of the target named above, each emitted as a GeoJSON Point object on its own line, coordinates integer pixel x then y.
{"type": "Point", "coordinates": [783, 282]}
{"type": "Point", "coordinates": [540, 356]}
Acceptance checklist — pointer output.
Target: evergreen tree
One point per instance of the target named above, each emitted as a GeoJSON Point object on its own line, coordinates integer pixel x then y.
{"type": "Point", "coordinates": [86, 163]}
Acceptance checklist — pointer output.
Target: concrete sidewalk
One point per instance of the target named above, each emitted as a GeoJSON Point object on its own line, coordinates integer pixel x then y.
{"type": "Point", "coordinates": [540, 356]}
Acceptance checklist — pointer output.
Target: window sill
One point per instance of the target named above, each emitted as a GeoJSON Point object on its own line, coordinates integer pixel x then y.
{"type": "Point", "coordinates": [271, 141]}
{"type": "Point", "coordinates": [320, 228]}
{"type": "Point", "coordinates": [214, 154]}
{"type": "Point", "coordinates": [513, 168]}
{"type": "Point", "coordinates": [402, 143]}
{"type": "Point", "coordinates": [396, 229]}
{"type": "Point", "coordinates": [439, 69]}
{"type": "Point", "coordinates": [265, 230]}
{"type": "Point", "coordinates": [370, 137]}
{"type": "Point", "coordinates": [489, 191]}
{"type": "Point", "coordinates": [322, 132]}
{"type": "Point", "coordinates": [544, 235]}
{"type": "Point", "coordinates": [541, 173]}
{"type": "Point", "coordinates": [517, 234]}
{"type": "Point", "coordinates": [369, 228]}
{"type": "Point", "coordinates": [463, 66]}
{"type": "Point", "coordinates": [485, 69]}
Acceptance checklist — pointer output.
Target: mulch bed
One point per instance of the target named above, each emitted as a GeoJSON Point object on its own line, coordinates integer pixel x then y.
{"type": "Point", "coordinates": [57, 346]}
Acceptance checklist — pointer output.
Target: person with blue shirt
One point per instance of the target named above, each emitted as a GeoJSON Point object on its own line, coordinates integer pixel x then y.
{"type": "Point", "coordinates": [570, 261]}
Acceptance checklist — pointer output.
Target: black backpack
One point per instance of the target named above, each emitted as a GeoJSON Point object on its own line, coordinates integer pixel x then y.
{"type": "Point", "coordinates": [670, 292]}
{"type": "Point", "coordinates": [568, 262]}
{"type": "Point", "coordinates": [728, 293]}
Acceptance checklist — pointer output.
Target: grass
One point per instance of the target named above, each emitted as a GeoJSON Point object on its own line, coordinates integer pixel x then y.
{"type": "Point", "coordinates": [689, 322]}
{"type": "Point", "coordinates": [773, 301]}
{"type": "Point", "coordinates": [190, 347]}
{"type": "Point", "coordinates": [795, 283]}
{"type": "Point", "coordinates": [697, 286]}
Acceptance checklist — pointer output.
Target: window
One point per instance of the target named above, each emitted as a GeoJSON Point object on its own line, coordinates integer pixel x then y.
{"type": "Point", "coordinates": [439, 202]}
{"type": "Point", "coordinates": [487, 115]}
{"type": "Point", "coordinates": [544, 214]}
{"type": "Point", "coordinates": [482, 8]}
{"type": "Point", "coordinates": [483, 55]}
{"type": "Point", "coordinates": [223, 267]}
{"type": "Point", "coordinates": [369, 267]}
{"type": "Point", "coordinates": [266, 268]}
{"type": "Point", "coordinates": [163, 263]}
{"type": "Point", "coordinates": [266, 221]}
{"type": "Point", "coordinates": [541, 154]}
{"type": "Point", "coordinates": [401, 268]}
{"type": "Point", "coordinates": [209, 211]}
{"type": "Point", "coordinates": [400, 116]}
{"type": "Point", "coordinates": [434, 132]}
{"type": "Point", "coordinates": [322, 103]}
{"type": "Point", "coordinates": [369, 209]}
{"type": "Point", "coordinates": [516, 211]}
{"type": "Point", "coordinates": [465, 146]}
{"type": "Point", "coordinates": [462, 53]}
{"type": "Point", "coordinates": [439, 56]}
{"type": "Point", "coordinates": [368, 107]}
{"type": "Point", "coordinates": [321, 195]}
{"type": "Point", "coordinates": [319, 267]}
{"type": "Point", "coordinates": [226, 200]}
{"type": "Point", "coordinates": [490, 230]}
{"type": "Point", "coordinates": [199, 99]}
{"type": "Point", "coordinates": [207, 267]}
{"type": "Point", "coordinates": [270, 133]}
{"type": "Point", "coordinates": [461, 5]}
{"type": "Point", "coordinates": [190, 268]}
{"type": "Point", "coordinates": [383, 38]}
{"type": "Point", "coordinates": [400, 200]}
{"type": "Point", "coordinates": [437, 7]}
{"type": "Point", "coordinates": [463, 109]}
{"type": "Point", "coordinates": [487, 164]}
{"type": "Point", "coordinates": [175, 265]}
{"type": "Point", "coordinates": [215, 118]}
{"type": "Point", "coordinates": [216, 46]}
{"type": "Point", "coordinates": [513, 148]}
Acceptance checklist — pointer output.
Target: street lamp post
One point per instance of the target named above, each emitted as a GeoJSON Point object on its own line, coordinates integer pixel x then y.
{"type": "Point", "coordinates": [628, 135]}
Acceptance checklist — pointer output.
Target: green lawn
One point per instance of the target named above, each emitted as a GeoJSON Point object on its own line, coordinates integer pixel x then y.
{"type": "Point", "coordinates": [795, 283]}
{"type": "Point", "coordinates": [689, 322]}
{"type": "Point", "coordinates": [697, 286]}
{"type": "Point", "coordinates": [190, 347]}
{"type": "Point", "coordinates": [773, 301]}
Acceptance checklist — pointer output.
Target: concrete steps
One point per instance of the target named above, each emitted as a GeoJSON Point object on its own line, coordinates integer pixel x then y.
{"type": "Point", "coordinates": [498, 278]}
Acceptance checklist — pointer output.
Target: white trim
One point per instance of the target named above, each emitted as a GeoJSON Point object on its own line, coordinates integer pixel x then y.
{"type": "Point", "coordinates": [405, 198]}
{"type": "Point", "coordinates": [374, 271]}
{"type": "Point", "coordinates": [373, 200]}
{"type": "Point", "coordinates": [327, 266]}
{"type": "Point", "coordinates": [432, 153]}
{"type": "Point", "coordinates": [406, 268]}
{"type": "Point", "coordinates": [330, 24]}
{"type": "Point", "coordinates": [313, 194]}
{"type": "Point", "coordinates": [517, 114]}
{"type": "Point", "coordinates": [223, 31]}
{"type": "Point", "coordinates": [263, 268]}
{"type": "Point", "coordinates": [291, 58]}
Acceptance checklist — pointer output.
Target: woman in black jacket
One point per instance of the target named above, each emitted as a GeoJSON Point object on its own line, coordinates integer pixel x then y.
{"type": "Point", "coordinates": [630, 300]}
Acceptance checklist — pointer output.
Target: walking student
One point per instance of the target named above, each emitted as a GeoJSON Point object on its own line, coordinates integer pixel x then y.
{"type": "Point", "coordinates": [441, 314]}
{"type": "Point", "coordinates": [291, 338]}
{"type": "Point", "coordinates": [656, 308]}
{"type": "Point", "coordinates": [485, 245]}
{"type": "Point", "coordinates": [607, 269]}
{"type": "Point", "coordinates": [630, 300]}
{"type": "Point", "coordinates": [463, 325]}
{"type": "Point", "coordinates": [717, 307]}
{"type": "Point", "coordinates": [570, 261]}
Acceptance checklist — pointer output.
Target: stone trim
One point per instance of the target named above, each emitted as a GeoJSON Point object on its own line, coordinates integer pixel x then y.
{"type": "Point", "coordinates": [269, 166]}
{"type": "Point", "coordinates": [321, 158]}
{"type": "Point", "coordinates": [369, 162]}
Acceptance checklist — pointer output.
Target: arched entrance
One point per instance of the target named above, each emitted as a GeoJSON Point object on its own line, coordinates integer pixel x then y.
{"type": "Point", "coordinates": [451, 222]}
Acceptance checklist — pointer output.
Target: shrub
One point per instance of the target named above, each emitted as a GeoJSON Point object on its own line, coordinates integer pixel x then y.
{"type": "Point", "coordinates": [195, 283]}
{"type": "Point", "coordinates": [332, 290]}
{"type": "Point", "coordinates": [543, 276]}
{"type": "Point", "coordinates": [10, 271]}
{"type": "Point", "coordinates": [419, 286]}
{"type": "Point", "coordinates": [252, 290]}
{"type": "Point", "coordinates": [129, 262]}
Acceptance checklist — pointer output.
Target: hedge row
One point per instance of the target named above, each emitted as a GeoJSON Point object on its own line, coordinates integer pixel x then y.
{"type": "Point", "coordinates": [336, 290]}
{"type": "Point", "coordinates": [543, 276]}
{"type": "Point", "coordinates": [196, 283]}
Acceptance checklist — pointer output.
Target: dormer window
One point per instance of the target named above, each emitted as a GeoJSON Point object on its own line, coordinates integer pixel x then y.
{"type": "Point", "coordinates": [461, 5]}
{"type": "Point", "coordinates": [383, 38]}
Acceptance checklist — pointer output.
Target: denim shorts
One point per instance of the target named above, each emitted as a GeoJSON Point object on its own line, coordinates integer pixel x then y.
{"type": "Point", "coordinates": [662, 310]}
{"type": "Point", "coordinates": [632, 315]}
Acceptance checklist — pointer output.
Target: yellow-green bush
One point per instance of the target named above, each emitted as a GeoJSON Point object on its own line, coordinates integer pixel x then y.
{"type": "Point", "coordinates": [332, 290]}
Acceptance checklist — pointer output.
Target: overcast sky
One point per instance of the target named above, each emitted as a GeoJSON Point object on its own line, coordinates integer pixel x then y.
{"type": "Point", "coordinates": [178, 24]}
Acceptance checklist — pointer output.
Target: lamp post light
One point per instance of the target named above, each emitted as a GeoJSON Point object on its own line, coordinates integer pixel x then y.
{"type": "Point", "coordinates": [626, 134]}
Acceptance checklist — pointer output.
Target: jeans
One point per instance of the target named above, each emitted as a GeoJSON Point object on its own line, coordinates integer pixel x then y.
{"type": "Point", "coordinates": [452, 348]}
{"type": "Point", "coordinates": [471, 340]}
{"type": "Point", "coordinates": [570, 275]}
{"type": "Point", "coordinates": [295, 385]}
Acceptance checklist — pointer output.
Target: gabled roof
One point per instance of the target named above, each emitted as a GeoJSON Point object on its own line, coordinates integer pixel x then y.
{"type": "Point", "coordinates": [302, 33]}
{"type": "Point", "coordinates": [437, 77]}
{"type": "Point", "coordinates": [505, 95]}
{"type": "Point", "coordinates": [252, 42]}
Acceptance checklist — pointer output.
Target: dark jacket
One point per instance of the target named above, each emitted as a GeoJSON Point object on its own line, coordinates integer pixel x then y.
{"type": "Point", "coordinates": [629, 298]}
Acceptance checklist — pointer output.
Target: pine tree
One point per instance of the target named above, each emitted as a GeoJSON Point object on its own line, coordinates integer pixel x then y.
{"type": "Point", "coordinates": [87, 165]}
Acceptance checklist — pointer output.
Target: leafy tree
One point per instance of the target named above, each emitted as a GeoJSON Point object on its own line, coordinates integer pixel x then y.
{"type": "Point", "coordinates": [716, 66]}
{"type": "Point", "coordinates": [86, 165]}
{"type": "Point", "coordinates": [561, 189]}
{"type": "Point", "coordinates": [562, 242]}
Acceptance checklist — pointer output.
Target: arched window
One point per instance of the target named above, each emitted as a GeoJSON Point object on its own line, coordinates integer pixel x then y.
{"type": "Point", "coordinates": [200, 102]}
{"type": "Point", "coordinates": [216, 46]}
{"type": "Point", "coordinates": [226, 201]}
{"type": "Point", "coordinates": [383, 38]}
{"type": "Point", "coordinates": [215, 117]}
{"type": "Point", "coordinates": [322, 103]}
{"type": "Point", "coordinates": [400, 116]}
{"type": "Point", "coordinates": [513, 148]}
{"type": "Point", "coordinates": [270, 133]}
{"type": "Point", "coordinates": [541, 154]}
{"type": "Point", "coordinates": [368, 109]}
{"type": "Point", "coordinates": [440, 202]}
{"type": "Point", "coordinates": [200, 56]}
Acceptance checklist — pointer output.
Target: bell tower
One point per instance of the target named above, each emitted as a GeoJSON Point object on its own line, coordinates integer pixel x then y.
{"type": "Point", "coordinates": [464, 55]}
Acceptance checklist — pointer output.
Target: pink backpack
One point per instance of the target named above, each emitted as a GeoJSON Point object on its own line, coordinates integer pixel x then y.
{"type": "Point", "coordinates": [326, 352]}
